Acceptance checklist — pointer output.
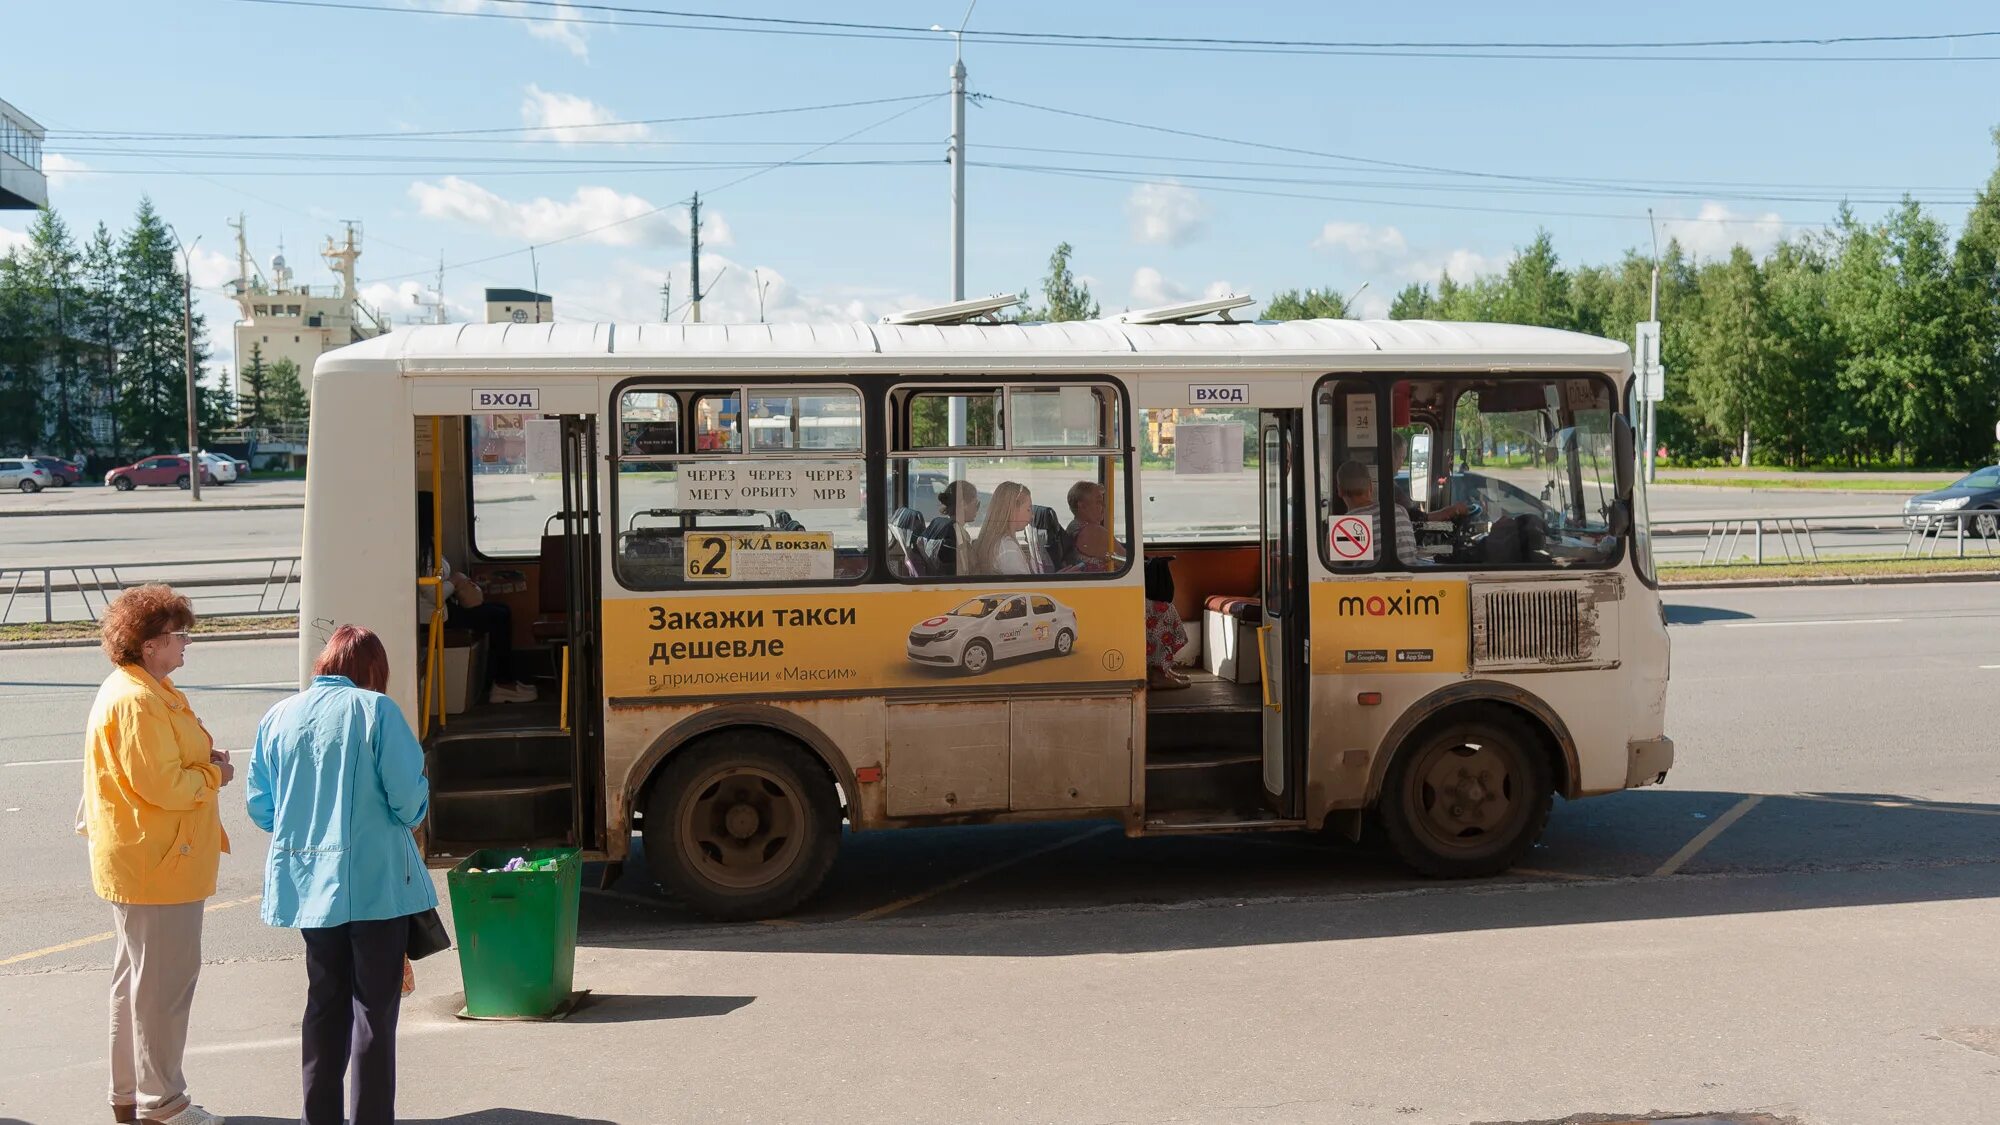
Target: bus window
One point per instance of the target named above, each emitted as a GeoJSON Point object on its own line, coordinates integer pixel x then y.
{"type": "Point", "coordinates": [1201, 474]}
{"type": "Point", "coordinates": [786, 504]}
{"type": "Point", "coordinates": [1047, 501]}
{"type": "Point", "coordinates": [511, 499]}
{"type": "Point", "coordinates": [1523, 470]}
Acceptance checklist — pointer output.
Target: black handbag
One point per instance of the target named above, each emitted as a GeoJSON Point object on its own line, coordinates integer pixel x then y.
{"type": "Point", "coordinates": [427, 935]}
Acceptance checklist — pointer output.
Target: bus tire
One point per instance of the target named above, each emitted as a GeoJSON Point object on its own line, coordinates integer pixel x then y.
{"type": "Point", "coordinates": [742, 825]}
{"type": "Point", "coordinates": [1467, 795]}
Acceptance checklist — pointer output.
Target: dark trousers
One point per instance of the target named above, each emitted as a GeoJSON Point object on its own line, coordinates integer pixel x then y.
{"type": "Point", "coordinates": [354, 990]}
{"type": "Point", "coordinates": [496, 623]}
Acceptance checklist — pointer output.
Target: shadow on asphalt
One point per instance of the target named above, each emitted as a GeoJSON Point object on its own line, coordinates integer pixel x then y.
{"type": "Point", "coordinates": [601, 1007]}
{"type": "Point", "coordinates": [968, 891]}
{"type": "Point", "coordinates": [1681, 613]}
{"type": "Point", "coordinates": [476, 1117]}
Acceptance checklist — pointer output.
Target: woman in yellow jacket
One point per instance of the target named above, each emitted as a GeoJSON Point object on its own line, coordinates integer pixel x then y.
{"type": "Point", "coordinates": [151, 778]}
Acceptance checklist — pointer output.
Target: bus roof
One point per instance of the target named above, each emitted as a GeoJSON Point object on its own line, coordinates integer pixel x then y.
{"type": "Point", "coordinates": [446, 349]}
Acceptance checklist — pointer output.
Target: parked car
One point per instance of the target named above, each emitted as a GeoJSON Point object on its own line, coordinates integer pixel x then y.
{"type": "Point", "coordinates": [224, 469]}
{"type": "Point", "coordinates": [163, 470]}
{"type": "Point", "coordinates": [62, 473]}
{"type": "Point", "coordinates": [994, 627]}
{"type": "Point", "coordinates": [1978, 493]}
{"type": "Point", "coordinates": [24, 473]}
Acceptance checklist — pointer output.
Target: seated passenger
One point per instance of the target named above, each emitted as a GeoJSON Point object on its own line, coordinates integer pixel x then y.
{"type": "Point", "coordinates": [466, 608]}
{"type": "Point", "coordinates": [959, 501]}
{"type": "Point", "coordinates": [1357, 491]}
{"type": "Point", "coordinates": [1165, 635]}
{"type": "Point", "coordinates": [999, 548]}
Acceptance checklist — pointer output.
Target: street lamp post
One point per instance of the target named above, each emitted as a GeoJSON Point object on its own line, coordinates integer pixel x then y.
{"type": "Point", "coordinates": [187, 341]}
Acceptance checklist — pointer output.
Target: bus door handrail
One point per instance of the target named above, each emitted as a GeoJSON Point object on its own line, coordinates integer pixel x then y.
{"type": "Point", "coordinates": [434, 640]}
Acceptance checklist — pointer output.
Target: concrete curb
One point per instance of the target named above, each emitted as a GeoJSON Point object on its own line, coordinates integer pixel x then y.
{"type": "Point", "coordinates": [200, 638]}
{"type": "Point", "coordinates": [155, 509]}
{"type": "Point", "coordinates": [1848, 580]}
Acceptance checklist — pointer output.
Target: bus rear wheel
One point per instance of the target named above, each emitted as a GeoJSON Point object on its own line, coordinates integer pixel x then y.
{"type": "Point", "coordinates": [1466, 797]}
{"type": "Point", "coordinates": [742, 825]}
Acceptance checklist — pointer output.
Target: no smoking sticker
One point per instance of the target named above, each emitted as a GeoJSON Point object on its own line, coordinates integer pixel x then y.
{"type": "Point", "coordinates": [1351, 540]}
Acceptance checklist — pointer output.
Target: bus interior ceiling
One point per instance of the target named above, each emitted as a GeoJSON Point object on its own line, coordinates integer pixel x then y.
{"type": "Point", "coordinates": [502, 774]}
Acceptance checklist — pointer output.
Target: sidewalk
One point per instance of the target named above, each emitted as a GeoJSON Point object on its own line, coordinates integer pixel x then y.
{"type": "Point", "coordinates": [1446, 1006]}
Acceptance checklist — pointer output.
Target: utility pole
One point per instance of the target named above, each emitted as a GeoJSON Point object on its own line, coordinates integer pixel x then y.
{"type": "Point", "coordinates": [1650, 424]}
{"type": "Point", "coordinates": [757, 276]}
{"type": "Point", "coordinates": [187, 342]}
{"type": "Point", "coordinates": [667, 298]}
{"type": "Point", "coordinates": [694, 258]}
{"type": "Point", "coordinates": [955, 408]}
{"type": "Point", "coordinates": [535, 268]}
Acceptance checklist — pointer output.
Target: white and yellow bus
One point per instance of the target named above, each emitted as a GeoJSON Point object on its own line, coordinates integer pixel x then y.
{"type": "Point", "coordinates": [781, 579]}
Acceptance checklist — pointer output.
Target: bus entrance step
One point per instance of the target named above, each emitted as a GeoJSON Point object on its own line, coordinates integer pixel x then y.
{"type": "Point", "coordinates": [505, 786]}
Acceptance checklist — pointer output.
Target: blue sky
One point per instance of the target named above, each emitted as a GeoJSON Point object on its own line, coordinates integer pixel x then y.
{"type": "Point", "coordinates": [839, 241]}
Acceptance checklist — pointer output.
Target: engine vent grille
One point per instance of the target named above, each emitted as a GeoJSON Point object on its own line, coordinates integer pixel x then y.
{"type": "Point", "coordinates": [1534, 626]}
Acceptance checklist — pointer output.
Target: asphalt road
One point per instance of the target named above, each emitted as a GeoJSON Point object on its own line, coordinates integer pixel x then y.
{"type": "Point", "coordinates": [1799, 921]}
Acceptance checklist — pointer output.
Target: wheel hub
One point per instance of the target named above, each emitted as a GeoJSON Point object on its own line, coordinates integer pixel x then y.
{"type": "Point", "coordinates": [741, 821]}
{"type": "Point", "coordinates": [1464, 792]}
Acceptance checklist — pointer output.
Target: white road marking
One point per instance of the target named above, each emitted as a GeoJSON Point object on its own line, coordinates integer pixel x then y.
{"type": "Point", "coordinates": [46, 762]}
{"type": "Point", "coordinates": [1783, 624]}
{"type": "Point", "coordinates": [1693, 847]}
{"type": "Point", "coordinates": [1989, 667]}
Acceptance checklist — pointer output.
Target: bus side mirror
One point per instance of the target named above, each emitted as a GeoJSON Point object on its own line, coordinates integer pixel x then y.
{"type": "Point", "coordinates": [1624, 453]}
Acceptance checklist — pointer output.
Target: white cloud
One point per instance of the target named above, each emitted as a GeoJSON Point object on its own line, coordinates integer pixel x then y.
{"type": "Point", "coordinates": [571, 119]}
{"type": "Point", "coordinates": [11, 239]}
{"type": "Point", "coordinates": [1165, 214]}
{"type": "Point", "coordinates": [588, 214]}
{"type": "Point", "coordinates": [1370, 305]}
{"type": "Point", "coordinates": [1384, 256]}
{"type": "Point", "coordinates": [1369, 247]}
{"type": "Point", "coordinates": [410, 302]}
{"type": "Point", "coordinates": [212, 269]}
{"type": "Point", "coordinates": [630, 291]}
{"type": "Point", "coordinates": [567, 35]}
{"type": "Point", "coordinates": [1151, 288]}
{"type": "Point", "coordinates": [1461, 264]}
{"type": "Point", "coordinates": [1716, 230]}
{"type": "Point", "coordinates": [60, 169]}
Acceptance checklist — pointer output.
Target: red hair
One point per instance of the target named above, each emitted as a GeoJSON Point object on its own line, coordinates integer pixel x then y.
{"type": "Point", "coordinates": [356, 653]}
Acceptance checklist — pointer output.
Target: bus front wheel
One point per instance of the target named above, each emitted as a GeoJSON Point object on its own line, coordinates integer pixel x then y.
{"type": "Point", "coordinates": [1466, 796]}
{"type": "Point", "coordinates": [742, 825]}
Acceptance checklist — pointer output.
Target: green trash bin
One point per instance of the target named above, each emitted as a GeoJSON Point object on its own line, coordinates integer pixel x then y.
{"type": "Point", "coordinates": [516, 931]}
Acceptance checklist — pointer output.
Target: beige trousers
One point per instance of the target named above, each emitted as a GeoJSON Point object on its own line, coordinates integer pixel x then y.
{"type": "Point", "coordinates": [153, 970]}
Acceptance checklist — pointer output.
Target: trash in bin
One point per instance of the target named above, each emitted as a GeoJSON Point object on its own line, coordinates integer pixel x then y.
{"type": "Point", "coordinates": [515, 912]}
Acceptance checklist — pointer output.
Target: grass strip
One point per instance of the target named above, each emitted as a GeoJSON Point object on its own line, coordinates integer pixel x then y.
{"type": "Point", "coordinates": [1808, 484]}
{"type": "Point", "coordinates": [205, 626]}
{"type": "Point", "coordinates": [1839, 568]}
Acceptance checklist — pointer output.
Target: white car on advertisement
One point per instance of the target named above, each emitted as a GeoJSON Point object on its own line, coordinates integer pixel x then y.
{"type": "Point", "coordinates": [994, 627]}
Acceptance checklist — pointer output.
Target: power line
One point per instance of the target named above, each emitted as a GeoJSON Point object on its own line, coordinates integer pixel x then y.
{"type": "Point", "coordinates": [1421, 204]}
{"type": "Point", "coordinates": [563, 12]}
{"type": "Point", "coordinates": [763, 170]}
{"type": "Point", "coordinates": [430, 134]}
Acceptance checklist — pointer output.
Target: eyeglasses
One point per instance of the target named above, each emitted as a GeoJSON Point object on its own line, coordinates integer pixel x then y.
{"type": "Point", "coordinates": [183, 634]}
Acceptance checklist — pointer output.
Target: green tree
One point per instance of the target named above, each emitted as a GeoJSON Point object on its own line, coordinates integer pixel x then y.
{"type": "Point", "coordinates": [153, 393]}
{"type": "Point", "coordinates": [1064, 297]}
{"type": "Point", "coordinates": [48, 269]}
{"type": "Point", "coordinates": [1307, 304]}
{"type": "Point", "coordinates": [1413, 302]}
{"type": "Point", "coordinates": [1975, 273]}
{"type": "Point", "coordinates": [1734, 350]}
{"type": "Point", "coordinates": [289, 401]}
{"type": "Point", "coordinates": [22, 353]}
{"type": "Point", "coordinates": [98, 326]}
{"type": "Point", "coordinates": [1536, 289]}
{"type": "Point", "coordinates": [255, 404]}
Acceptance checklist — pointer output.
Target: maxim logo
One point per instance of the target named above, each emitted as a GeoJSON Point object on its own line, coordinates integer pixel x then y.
{"type": "Point", "coordinates": [1404, 604]}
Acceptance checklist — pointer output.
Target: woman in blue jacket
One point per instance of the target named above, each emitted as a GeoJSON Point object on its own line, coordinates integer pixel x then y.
{"type": "Point", "coordinates": [338, 780]}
